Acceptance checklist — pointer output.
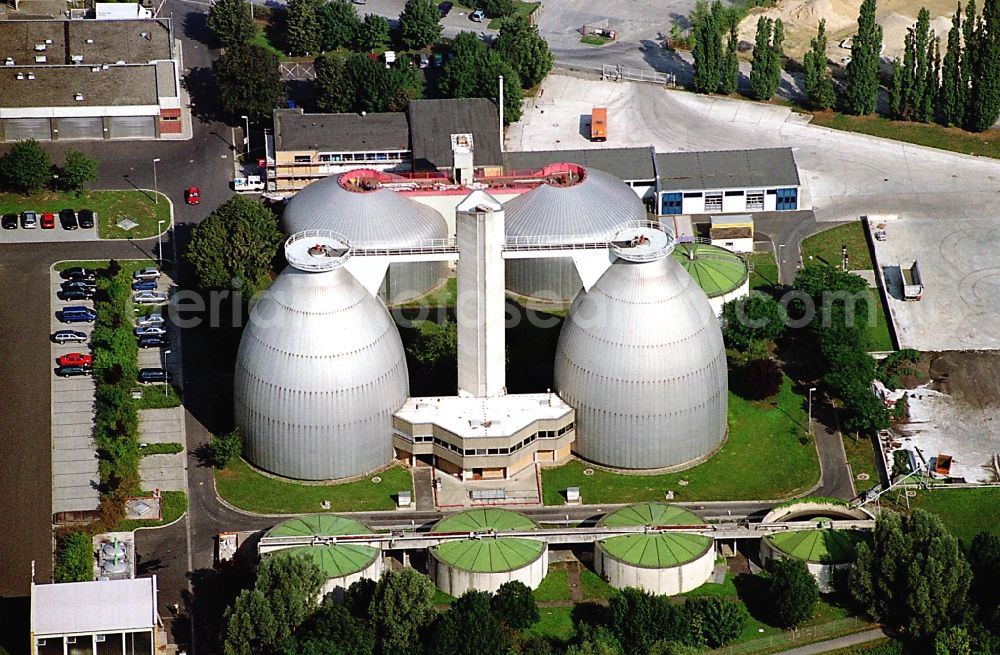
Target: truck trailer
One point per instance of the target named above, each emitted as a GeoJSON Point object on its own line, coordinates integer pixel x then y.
{"type": "Point", "coordinates": [599, 124]}
{"type": "Point", "coordinates": [913, 288]}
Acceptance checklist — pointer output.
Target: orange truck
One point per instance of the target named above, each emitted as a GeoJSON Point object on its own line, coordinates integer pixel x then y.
{"type": "Point", "coordinates": [599, 124]}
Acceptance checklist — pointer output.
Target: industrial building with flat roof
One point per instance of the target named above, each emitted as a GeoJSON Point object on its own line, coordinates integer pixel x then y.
{"type": "Point", "coordinates": [89, 79]}
{"type": "Point", "coordinates": [105, 617]}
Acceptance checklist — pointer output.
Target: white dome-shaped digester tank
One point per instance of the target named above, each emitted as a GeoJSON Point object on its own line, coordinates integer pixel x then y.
{"type": "Point", "coordinates": [574, 205]}
{"type": "Point", "coordinates": [642, 361]}
{"type": "Point", "coordinates": [319, 373]}
{"type": "Point", "coordinates": [357, 205]}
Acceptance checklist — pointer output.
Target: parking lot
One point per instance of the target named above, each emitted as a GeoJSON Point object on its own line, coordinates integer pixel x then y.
{"type": "Point", "coordinates": [39, 234]}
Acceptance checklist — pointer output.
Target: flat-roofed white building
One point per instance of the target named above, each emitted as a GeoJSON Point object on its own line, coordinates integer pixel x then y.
{"type": "Point", "coordinates": [104, 617]}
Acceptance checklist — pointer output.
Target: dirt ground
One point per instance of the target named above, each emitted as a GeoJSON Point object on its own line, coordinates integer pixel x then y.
{"type": "Point", "coordinates": [801, 19]}
{"type": "Point", "coordinates": [970, 378]}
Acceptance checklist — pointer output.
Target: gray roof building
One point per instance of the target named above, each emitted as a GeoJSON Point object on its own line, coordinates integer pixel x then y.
{"type": "Point", "coordinates": [432, 122]}
{"type": "Point", "coordinates": [727, 169]}
{"type": "Point", "coordinates": [76, 608]}
{"type": "Point", "coordinates": [138, 41]}
{"type": "Point", "coordinates": [296, 130]}
{"type": "Point", "coordinates": [629, 164]}
{"type": "Point", "coordinates": [80, 86]}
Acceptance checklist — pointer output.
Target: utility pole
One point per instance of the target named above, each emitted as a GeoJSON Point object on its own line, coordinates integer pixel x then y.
{"type": "Point", "coordinates": [501, 113]}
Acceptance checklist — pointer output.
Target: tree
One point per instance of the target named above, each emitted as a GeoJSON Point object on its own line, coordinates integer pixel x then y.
{"type": "Point", "coordinates": [74, 558]}
{"type": "Point", "coordinates": [302, 32]}
{"type": "Point", "coordinates": [497, 8]}
{"type": "Point", "coordinates": [231, 23]}
{"type": "Point", "coordinates": [26, 167]}
{"type": "Point", "coordinates": [897, 90]}
{"type": "Point", "coordinates": [792, 591]}
{"type": "Point", "coordinates": [917, 90]}
{"type": "Point", "coordinates": [470, 627]}
{"type": "Point", "coordinates": [419, 23]}
{"type": "Point", "coordinates": [984, 107]}
{"type": "Point", "coordinates": [706, 29]}
{"type": "Point", "coordinates": [953, 640]}
{"type": "Point", "coordinates": [373, 33]}
{"type": "Point", "coordinates": [638, 619]}
{"type": "Point", "coordinates": [984, 559]}
{"type": "Point", "coordinates": [223, 449]}
{"type": "Point", "coordinates": [753, 318]}
{"type": "Point", "coordinates": [515, 605]}
{"type": "Point", "coordinates": [520, 45]}
{"type": "Point", "coordinates": [967, 62]}
{"type": "Point", "coordinates": [338, 24]}
{"type": "Point", "coordinates": [912, 575]}
{"type": "Point", "coordinates": [719, 620]}
{"type": "Point", "coordinates": [78, 170]}
{"type": "Point", "coordinates": [595, 640]}
{"type": "Point", "coordinates": [250, 626]}
{"type": "Point", "coordinates": [335, 89]}
{"type": "Point", "coordinates": [233, 248]}
{"type": "Point", "coordinates": [401, 609]}
{"type": "Point", "coordinates": [729, 73]}
{"type": "Point", "coordinates": [757, 379]}
{"type": "Point", "coordinates": [291, 585]}
{"type": "Point", "coordinates": [380, 89]}
{"type": "Point", "coordinates": [249, 82]}
{"type": "Point", "coordinates": [333, 630]}
{"type": "Point", "coordinates": [818, 80]}
{"type": "Point", "coordinates": [777, 54]}
{"type": "Point", "coordinates": [760, 67]}
{"type": "Point", "coordinates": [474, 71]}
{"type": "Point", "coordinates": [861, 94]}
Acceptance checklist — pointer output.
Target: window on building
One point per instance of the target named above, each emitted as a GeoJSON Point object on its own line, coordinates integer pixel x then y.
{"type": "Point", "coordinates": [713, 202]}
{"type": "Point", "coordinates": [755, 199]}
{"type": "Point", "coordinates": [492, 451]}
{"type": "Point", "coordinates": [302, 159]}
{"type": "Point", "coordinates": [732, 194]}
{"type": "Point", "coordinates": [693, 194]}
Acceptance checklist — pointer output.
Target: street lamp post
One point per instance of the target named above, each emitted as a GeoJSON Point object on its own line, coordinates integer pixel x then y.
{"type": "Point", "coordinates": [811, 389]}
{"type": "Point", "coordinates": [159, 240]}
{"type": "Point", "coordinates": [780, 246]}
{"type": "Point", "coordinates": [246, 134]}
{"type": "Point", "coordinates": [156, 194]}
{"type": "Point", "coordinates": [166, 384]}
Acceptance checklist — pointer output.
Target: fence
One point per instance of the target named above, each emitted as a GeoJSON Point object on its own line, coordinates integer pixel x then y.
{"type": "Point", "coordinates": [777, 643]}
{"type": "Point", "coordinates": [618, 73]}
{"type": "Point", "coordinates": [296, 71]}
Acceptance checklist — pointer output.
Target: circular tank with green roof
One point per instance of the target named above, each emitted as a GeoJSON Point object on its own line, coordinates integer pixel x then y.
{"type": "Point", "coordinates": [722, 274]}
{"type": "Point", "coordinates": [343, 563]}
{"type": "Point", "coordinates": [485, 562]}
{"type": "Point", "coordinates": [661, 562]}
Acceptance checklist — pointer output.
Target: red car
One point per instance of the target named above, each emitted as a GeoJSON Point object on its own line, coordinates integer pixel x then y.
{"type": "Point", "coordinates": [192, 195]}
{"type": "Point", "coordinates": [75, 359]}
{"type": "Point", "coordinates": [48, 221]}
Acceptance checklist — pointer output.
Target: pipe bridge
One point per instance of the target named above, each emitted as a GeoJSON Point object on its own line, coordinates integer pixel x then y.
{"type": "Point", "coordinates": [401, 540]}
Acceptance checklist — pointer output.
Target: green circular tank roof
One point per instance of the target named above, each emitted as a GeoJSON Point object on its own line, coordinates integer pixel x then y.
{"type": "Point", "coordinates": [654, 550]}
{"type": "Point", "coordinates": [716, 270]}
{"type": "Point", "coordinates": [487, 555]}
{"type": "Point", "coordinates": [322, 525]}
{"type": "Point", "coordinates": [822, 546]}
{"type": "Point", "coordinates": [335, 560]}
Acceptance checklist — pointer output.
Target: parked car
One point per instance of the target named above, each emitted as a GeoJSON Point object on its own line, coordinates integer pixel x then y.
{"type": "Point", "coordinates": [78, 283]}
{"type": "Point", "coordinates": [76, 294]}
{"type": "Point", "coordinates": [150, 331]}
{"type": "Point", "coordinates": [478, 16]}
{"type": "Point", "coordinates": [48, 221]}
{"type": "Point", "coordinates": [152, 341]}
{"type": "Point", "coordinates": [144, 285]}
{"type": "Point", "coordinates": [149, 297]}
{"type": "Point", "coordinates": [153, 319]}
{"type": "Point", "coordinates": [9, 221]}
{"type": "Point", "coordinates": [73, 371]}
{"type": "Point", "coordinates": [438, 60]}
{"type": "Point", "coordinates": [445, 8]}
{"type": "Point", "coordinates": [69, 336]}
{"type": "Point", "coordinates": [86, 218]}
{"type": "Point", "coordinates": [75, 359]}
{"type": "Point", "coordinates": [149, 273]}
{"type": "Point", "coordinates": [192, 195]}
{"type": "Point", "coordinates": [77, 314]}
{"type": "Point", "coordinates": [423, 60]}
{"type": "Point", "coordinates": [78, 273]}
{"type": "Point", "coordinates": [147, 375]}
{"type": "Point", "coordinates": [67, 218]}
{"type": "Point", "coordinates": [29, 220]}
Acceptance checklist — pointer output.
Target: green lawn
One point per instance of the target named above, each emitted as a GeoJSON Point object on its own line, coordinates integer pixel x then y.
{"type": "Point", "coordinates": [861, 457]}
{"type": "Point", "coordinates": [825, 247]}
{"type": "Point", "coordinates": [555, 623]}
{"type": "Point", "coordinates": [110, 206]}
{"type": "Point", "coordinates": [594, 587]}
{"type": "Point", "coordinates": [555, 586]}
{"type": "Point", "coordinates": [243, 486]}
{"type": "Point", "coordinates": [173, 504]}
{"type": "Point", "coordinates": [441, 598]}
{"type": "Point", "coordinates": [763, 440]}
{"type": "Point", "coordinates": [520, 8]}
{"type": "Point", "coordinates": [966, 512]}
{"type": "Point", "coordinates": [593, 39]}
{"type": "Point", "coordinates": [727, 588]}
{"type": "Point", "coordinates": [168, 448]}
{"type": "Point", "coordinates": [765, 270]}
{"type": "Point", "coordinates": [879, 339]}
{"type": "Point", "coordinates": [158, 396]}
{"type": "Point", "coordinates": [924, 134]}
{"type": "Point", "coordinates": [443, 296]}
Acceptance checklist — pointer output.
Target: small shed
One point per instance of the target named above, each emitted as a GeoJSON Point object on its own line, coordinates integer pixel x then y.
{"type": "Point", "coordinates": [732, 232]}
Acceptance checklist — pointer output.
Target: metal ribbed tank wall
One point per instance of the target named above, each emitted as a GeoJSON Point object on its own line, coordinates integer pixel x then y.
{"type": "Point", "coordinates": [641, 359]}
{"type": "Point", "coordinates": [485, 564]}
{"type": "Point", "coordinates": [319, 373]}
{"type": "Point", "coordinates": [356, 205]}
{"type": "Point", "coordinates": [343, 564]}
{"type": "Point", "coordinates": [577, 205]}
{"type": "Point", "coordinates": [659, 562]}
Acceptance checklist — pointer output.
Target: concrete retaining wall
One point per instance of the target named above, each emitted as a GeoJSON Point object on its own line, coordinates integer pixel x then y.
{"type": "Point", "coordinates": [669, 581]}
{"type": "Point", "coordinates": [337, 586]}
{"type": "Point", "coordinates": [455, 581]}
{"type": "Point", "coordinates": [824, 573]}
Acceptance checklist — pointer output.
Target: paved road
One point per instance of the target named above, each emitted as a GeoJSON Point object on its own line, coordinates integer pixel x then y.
{"type": "Point", "coordinates": [837, 644]}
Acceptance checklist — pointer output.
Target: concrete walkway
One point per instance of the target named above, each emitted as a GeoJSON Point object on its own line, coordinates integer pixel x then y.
{"type": "Point", "coordinates": [837, 644]}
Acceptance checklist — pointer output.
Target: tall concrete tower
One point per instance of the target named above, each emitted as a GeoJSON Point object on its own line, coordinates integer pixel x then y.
{"type": "Point", "coordinates": [481, 318]}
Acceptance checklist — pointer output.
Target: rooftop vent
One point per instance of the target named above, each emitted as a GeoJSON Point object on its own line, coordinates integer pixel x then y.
{"type": "Point", "coordinates": [48, 41]}
{"type": "Point", "coordinates": [31, 76]}
{"type": "Point", "coordinates": [76, 58]}
{"type": "Point", "coordinates": [39, 47]}
{"type": "Point", "coordinates": [40, 59]}
{"type": "Point", "coordinates": [89, 41]}
{"type": "Point", "coordinates": [78, 97]}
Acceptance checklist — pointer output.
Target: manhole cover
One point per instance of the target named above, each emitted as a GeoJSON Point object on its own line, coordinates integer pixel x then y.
{"type": "Point", "coordinates": [862, 476]}
{"type": "Point", "coordinates": [588, 471]}
{"type": "Point", "coordinates": [376, 479]}
{"type": "Point", "coordinates": [911, 494]}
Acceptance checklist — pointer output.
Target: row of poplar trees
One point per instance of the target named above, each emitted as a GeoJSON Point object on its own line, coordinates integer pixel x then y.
{"type": "Point", "coordinates": [963, 87]}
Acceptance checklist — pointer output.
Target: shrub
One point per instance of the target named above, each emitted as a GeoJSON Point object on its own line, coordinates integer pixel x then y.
{"type": "Point", "coordinates": [497, 8]}
{"type": "Point", "coordinates": [225, 448]}
{"type": "Point", "coordinates": [758, 379]}
{"type": "Point", "coordinates": [74, 558]}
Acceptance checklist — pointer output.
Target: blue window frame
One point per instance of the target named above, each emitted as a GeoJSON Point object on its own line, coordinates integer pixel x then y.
{"type": "Point", "coordinates": [787, 200]}
{"type": "Point", "coordinates": [671, 203]}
